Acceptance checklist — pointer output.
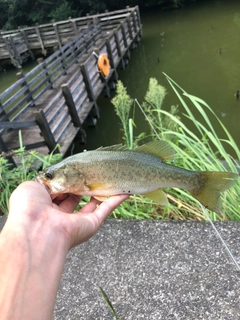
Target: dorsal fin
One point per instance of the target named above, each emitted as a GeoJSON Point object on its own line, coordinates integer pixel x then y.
{"type": "Point", "coordinates": [158, 148]}
{"type": "Point", "coordinates": [115, 147]}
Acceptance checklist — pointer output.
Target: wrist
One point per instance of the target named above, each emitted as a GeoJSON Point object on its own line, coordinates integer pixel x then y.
{"type": "Point", "coordinates": [31, 260]}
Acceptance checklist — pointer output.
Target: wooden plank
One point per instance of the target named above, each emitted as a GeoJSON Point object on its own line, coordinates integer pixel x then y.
{"type": "Point", "coordinates": [44, 52]}
{"type": "Point", "coordinates": [23, 33]}
{"type": "Point", "coordinates": [7, 103]}
{"type": "Point", "coordinates": [111, 59]}
{"type": "Point", "coordinates": [16, 54]}
{"type": "Point", "coordinates": [45, 70]}
{"type": "Point", "coordinates": [119, 50]}
{"type": "Point", "coordinates": [74, 26]}
{"type": "Point", "coordinates": [24, 84]}
{"type": "Point", "coordinates": [57, 35]}
{"type": "Point", "coordinates": [58, 124]}
{"type": "Point", "coordinates": [51, 107]}
{"type": "Point", "coordinates": [65, 126]}
{"type": "Point", "coordinates": [10, 51]}
{"type": "Point", "coordinates": [71, 105]}
{"type": "Point", "coordinates": [16, 125]}
{"type": "Point", "coordinates": [89, 88]}
{"type": "Point", "coordinates": [45, 130]}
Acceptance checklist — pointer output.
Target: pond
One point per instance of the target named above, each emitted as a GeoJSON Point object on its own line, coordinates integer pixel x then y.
{"type": "Point", "coordinates": [197, 46]}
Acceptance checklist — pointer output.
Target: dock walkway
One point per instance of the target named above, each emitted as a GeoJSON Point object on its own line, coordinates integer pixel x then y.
{"type": "Point", "coordinates": [50, 103]}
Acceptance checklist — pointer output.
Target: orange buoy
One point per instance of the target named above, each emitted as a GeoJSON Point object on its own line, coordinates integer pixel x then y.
{"type": "Point", "coordinates": [103, 64]}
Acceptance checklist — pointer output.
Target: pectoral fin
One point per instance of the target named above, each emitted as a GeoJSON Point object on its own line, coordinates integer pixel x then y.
{"type": "Point", "coordinates": [100, 198]}
{"type": "Point", "coordinates": [98, 186]}
{"type": "Point", "coordinates": [158, 196]}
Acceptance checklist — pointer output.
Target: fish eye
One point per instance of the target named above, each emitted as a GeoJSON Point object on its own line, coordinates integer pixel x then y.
{"type": "Point", "coordinates": [48, 175]}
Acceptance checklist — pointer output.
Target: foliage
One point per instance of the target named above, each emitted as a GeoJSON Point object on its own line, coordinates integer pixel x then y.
{"type": "Point", "coordinates": [63, 12]}
{"type": "Point", "coordinates": [204, 152]}
{"type": "Point", "coordinates": [29, 163]}
{"type": "Point", "coordinates": [122, 104]}
{"type": "Point", "coordinates": [14, 13]}
{"type": "Point", "coordinates": [152, 106]}
{"type": "Point", "coordinates": [198, 150]}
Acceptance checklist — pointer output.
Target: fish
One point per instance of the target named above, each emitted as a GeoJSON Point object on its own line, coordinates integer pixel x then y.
{"type": "Point", "coordinates": [113, 170]}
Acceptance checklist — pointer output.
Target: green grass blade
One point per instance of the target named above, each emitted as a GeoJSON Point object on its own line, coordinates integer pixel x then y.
{"type": "Point", "coordinates": [108, 303]}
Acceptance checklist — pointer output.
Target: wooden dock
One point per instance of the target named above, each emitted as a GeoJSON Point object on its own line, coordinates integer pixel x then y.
{"type": "Point", "coordinates": [50, 103]}
{"type": "Point", "coordinates": [17, 45]}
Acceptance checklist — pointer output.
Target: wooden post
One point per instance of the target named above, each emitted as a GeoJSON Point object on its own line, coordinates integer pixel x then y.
{"type": "Point", "coordinates": [44, 67]}
{"type": "Point", "coordinates": [71, 105]}
{"type": "Point", "coordinates": [89, 88]}
{"type": "Point", "coordinates": [119, 49]}
{"type": "Point", "coordinates": [27, 91]}
{"type": "Point", "coordinates": [134, 19]}
{"type": "Point", "coordinates": [110, 56]}
{"type": "Point", "coordinates": [44, 52]}
{"type": "Point", "coordinates": [124, 35]}
{"type": "Point", "coordinates": [2, 111]}
{"type": "Point", "coordinates": [11, 54]}
{"type": "Point", "coordinates": [46, 131]}
{"type": "Point", "coordinates": [127, 53]}
{"type": "Point", "coordinates": [73, 112]}
{"type": "Point", "coordinates": [23, 33]}
{"type": "Point", "coordinates": [16, 54]}
{"type": "Point", "coordinates": [74, 50]}
{"type": "Point", "coordinates": [5, 149]}
{"type": "Point", "coordinates": [55, 26]}
{"type": "Point", "coordinates": [74, 26]}
{"type": "Point", "coordinates": [139, 19]}
{"type": "Point", "coordinates": [62, 62]}
{"type": "Point", "coordinates": [129, 28]}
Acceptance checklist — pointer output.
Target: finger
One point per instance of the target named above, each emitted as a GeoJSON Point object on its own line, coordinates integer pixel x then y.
{"type": "Point", "coordinates": [88, 220]}
{"type": "Point", "coordinates": [27, 192]}
{"type": "Point", "coordinates": [107, 207]}
{"type": "Point", "coordinates": [69, 204]}
{"type": "Point", "coordinates": [59, 198]}
{"type": "Point", "coordinates": [90, 206]}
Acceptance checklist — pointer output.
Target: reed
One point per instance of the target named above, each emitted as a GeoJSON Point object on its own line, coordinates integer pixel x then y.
{"type": "Point", "coordinates": [122, 103]}
{"type": "Point", "coordinates": [29, 164]}
{"type": "Point", "coordinates": [198, 150]}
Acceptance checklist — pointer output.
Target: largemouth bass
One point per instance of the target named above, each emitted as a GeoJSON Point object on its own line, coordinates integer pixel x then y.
{"type": "Point", "coordinates": [115, 170]}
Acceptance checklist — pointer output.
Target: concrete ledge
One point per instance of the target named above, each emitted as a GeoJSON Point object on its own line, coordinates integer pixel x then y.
{"type": "Point", "coordinates": [153, 270]}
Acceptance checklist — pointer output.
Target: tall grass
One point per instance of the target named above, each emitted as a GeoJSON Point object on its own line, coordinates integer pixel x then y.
{"type": "Point", "coordinates": [198, 150]}
{"type": "Point", "coordinates": [122, 103]}
{"type": "Point", "coordinates": [201, 150]}
{"type": "Point", "coordinates": [29, 162]}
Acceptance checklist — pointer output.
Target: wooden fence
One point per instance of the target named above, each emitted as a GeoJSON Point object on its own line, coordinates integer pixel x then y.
{"type": "Point", "coordinates": [51, 102]}
{"type": "Point", "coordinates": [21, 43]}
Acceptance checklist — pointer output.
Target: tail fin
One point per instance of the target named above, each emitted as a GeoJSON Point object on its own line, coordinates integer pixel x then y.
{"type": "Point", "coordinates": [210, 186]}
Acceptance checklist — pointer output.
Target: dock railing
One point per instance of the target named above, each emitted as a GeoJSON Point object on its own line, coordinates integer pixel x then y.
{"type": "Point", "coordinates": [22, 42]}
{"type": "Point", "coordinates": [50, 103]}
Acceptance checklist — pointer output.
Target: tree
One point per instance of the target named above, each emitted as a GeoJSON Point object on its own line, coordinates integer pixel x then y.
{"type": "Point", "coordinates": [63, 12]}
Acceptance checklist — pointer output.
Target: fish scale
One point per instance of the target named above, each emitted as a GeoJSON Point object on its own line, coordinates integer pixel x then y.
{"type": "Point", "coordinates": [115, 170]}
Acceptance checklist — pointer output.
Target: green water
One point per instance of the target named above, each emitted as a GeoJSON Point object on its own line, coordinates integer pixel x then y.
{"type": "Point", "coordinates": [189, 53]}
{"type": "Point", "coordinates": [8, 77]}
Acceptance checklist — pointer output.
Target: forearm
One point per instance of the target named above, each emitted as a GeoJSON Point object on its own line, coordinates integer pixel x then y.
{"type": "Point", "coordinates": [31, 264]}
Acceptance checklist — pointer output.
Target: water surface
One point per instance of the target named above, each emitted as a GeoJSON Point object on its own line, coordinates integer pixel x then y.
{"type": "Point", "coordinates": [198, 46]}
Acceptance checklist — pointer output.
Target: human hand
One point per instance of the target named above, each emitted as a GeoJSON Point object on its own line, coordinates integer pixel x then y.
{"type": "Point", "coordinates": [31, 203]}
{"type": "Point", "coordinates": [34, 243]}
